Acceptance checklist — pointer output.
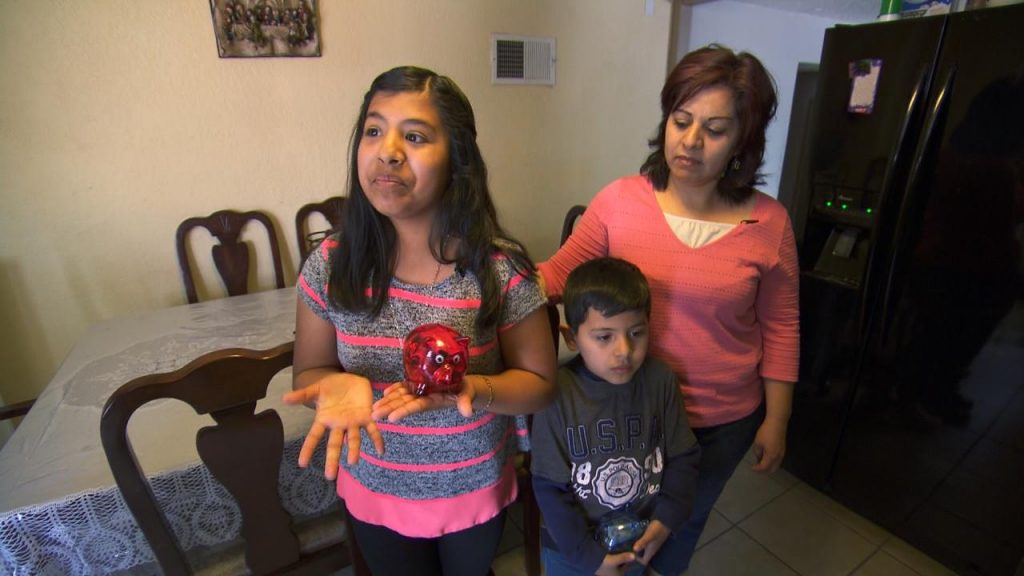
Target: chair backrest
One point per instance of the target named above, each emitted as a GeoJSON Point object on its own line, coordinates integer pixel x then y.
{"type": "Point", "coordinates": [332, 209]}
{"type": "Point", "coordinates": [554, 321]}
{"type": "Point", "coordinates": [531, 512]}
{"type": "Point", "coordinates": [242, 450]}
{"type": "Point", "coordinates": [231, 255]}
{"type": "Point", "coordinates": [15, 410]}
{"type": "Point", "coordinates": [570, 221]}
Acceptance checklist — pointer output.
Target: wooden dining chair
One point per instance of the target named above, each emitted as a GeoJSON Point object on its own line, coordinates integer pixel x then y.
{"type": "Point", "coordinates": [531, 512]}
{"type": "Point", "coordinates": [569, 222]}
{"type": "Point", "coordinates": [15, 410]}
{"type": "Point", "coordinates": [243, 451]}
{"type": "Point", "coordinates": [332, 209]}
{"type": "Point", "coordinates": [231, 255]}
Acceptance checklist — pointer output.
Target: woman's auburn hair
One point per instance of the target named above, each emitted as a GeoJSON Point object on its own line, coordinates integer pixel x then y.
{"type": "Point", "coordinates": [362, 265]}
{"type": "Point", "coordinates": [754, 97]}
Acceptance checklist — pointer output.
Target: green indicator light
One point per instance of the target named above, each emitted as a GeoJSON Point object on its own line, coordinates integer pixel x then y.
{"type": "Point", "coordinates": [843, 206]}
{"type": "Point", "coordinates": [828, 203]}
{"type": "Point", "coordinates": [868, 210]}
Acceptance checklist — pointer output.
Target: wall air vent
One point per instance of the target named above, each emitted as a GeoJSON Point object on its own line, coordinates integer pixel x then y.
{"type": "Point", "coordinates": [522, 60]}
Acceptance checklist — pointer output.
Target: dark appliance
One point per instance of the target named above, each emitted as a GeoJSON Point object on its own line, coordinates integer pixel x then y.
{"type": "Point", "coordinates": [910, 405]}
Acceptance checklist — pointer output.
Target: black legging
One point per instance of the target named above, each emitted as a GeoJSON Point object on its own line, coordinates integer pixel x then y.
{"type": "Point", "coordinates": [468, 552]}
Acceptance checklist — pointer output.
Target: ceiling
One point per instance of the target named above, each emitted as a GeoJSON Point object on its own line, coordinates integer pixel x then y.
{"type": "Point", "coordinates": [839, 10]}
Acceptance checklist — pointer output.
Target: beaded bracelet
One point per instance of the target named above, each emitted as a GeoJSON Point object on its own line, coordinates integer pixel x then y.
{"type": "Point", "coordinates": [490, 392]}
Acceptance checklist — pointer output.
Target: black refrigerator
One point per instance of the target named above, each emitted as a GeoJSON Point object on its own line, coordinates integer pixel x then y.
{"type": "Point", "coordinates": [909, 212]}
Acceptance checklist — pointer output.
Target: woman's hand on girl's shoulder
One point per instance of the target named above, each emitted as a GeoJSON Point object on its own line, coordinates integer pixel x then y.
{"type": "Point", "coordinates": [343, 404]}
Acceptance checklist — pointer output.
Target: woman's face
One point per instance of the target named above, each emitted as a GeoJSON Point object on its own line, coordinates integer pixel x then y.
{"type": "Point", "coordinates": [403, 155]}
{"type": "Point", "coordinates": [701, 136]}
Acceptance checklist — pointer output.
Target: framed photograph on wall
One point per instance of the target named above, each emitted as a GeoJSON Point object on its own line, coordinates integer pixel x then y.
{"type": "Point", "coordinates": [263, 28]}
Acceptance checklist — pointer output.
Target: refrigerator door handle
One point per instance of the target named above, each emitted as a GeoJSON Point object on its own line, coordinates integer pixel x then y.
{"type": "Point", "coordinates": [866, 320]}
{"type": "Point", "coordinates": [910, 199]}
{"type": "Point", "coordinates": [913, 104]}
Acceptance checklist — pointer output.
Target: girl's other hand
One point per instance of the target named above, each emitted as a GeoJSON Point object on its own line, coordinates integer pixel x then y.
{"type": "Point", "coordinates": [398, 402]}
{"type": "Point", "coordinates": [343, 403]}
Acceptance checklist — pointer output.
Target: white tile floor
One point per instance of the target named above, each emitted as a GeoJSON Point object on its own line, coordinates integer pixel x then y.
{"type": "Point", "coordinates": [773, 525]}
{"type": "Point", "coordinates": [776, 525]}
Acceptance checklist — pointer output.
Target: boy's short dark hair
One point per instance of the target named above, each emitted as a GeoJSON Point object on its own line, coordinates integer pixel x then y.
{"type": "Point", "coordinates": [609, 285]}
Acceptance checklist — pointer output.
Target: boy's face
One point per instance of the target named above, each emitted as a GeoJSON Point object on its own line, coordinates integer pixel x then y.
{"type": "Point", "coordinates": [612, 348]}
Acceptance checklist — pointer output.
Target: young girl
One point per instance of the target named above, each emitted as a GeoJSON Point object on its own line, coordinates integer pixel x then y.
{"type": "Point", "coordinates": [425, 479]}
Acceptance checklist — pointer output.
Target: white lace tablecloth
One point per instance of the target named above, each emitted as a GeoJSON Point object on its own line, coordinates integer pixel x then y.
{"type": "Point", "coordinates": [60, 511]}
{"type": "Point", "coordinates": [95, 533]}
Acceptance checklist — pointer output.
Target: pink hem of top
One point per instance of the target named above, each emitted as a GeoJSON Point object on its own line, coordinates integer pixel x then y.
{"type": "Point", "coordinates": [428, 518]}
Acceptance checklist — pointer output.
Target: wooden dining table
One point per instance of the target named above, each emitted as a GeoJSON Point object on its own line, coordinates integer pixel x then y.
{"type": "Point", "coordinates": [60, 510]}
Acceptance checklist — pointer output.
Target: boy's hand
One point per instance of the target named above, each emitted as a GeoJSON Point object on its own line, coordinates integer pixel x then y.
{"type": "Point", "coordinates": [648, 545]}
{"type": "Point", "coordinates": [615, 564]}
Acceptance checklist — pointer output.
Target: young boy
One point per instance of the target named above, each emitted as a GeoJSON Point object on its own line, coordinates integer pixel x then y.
{"type": "Point", "coordinates": [616, 438]}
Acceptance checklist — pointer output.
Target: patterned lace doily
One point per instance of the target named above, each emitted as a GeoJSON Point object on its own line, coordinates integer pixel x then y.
{"type": "Point", "coordinates": [95, 533]}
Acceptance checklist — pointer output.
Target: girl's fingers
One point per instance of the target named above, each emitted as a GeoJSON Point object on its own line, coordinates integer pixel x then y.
{"type": "Point", "coordinates": [464, 400]}
{"type": "Point", "coordinates": [334, 443]}
{"type": "Point", "coordinates": [381, 409]}
{"type": "Point", "coordinates": [394, 397]}
{"type": "Point", "coordinates": [300, 396]}
{"type": "Point", "coordinates": [393, 392]}
{"type": "Point", "coordinates": [375, 436]}
{"type": "Point", "coordinates": [316, 432]}
{"type": "Point", "coordinates": [465, 405]}
{"type": "Point", "coordinates": [353, 445]}
{"type": "Point", "coordinates": [396, 414]}
{"type": "Point", "coordinates": [398, 402]}
{"type": "Point", "coordinates": [412, 405]}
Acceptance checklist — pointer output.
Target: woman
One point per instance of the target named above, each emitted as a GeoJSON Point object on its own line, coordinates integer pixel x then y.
{"type": "Point", "coordinates": [721, 260]}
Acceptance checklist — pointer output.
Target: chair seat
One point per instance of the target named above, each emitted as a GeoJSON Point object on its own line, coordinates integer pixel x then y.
{"type": "Point", "coordinates": [319, 533]}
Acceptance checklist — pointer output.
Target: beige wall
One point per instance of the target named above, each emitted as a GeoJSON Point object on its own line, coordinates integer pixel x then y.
{"type": "Point", "coordinates": [118, 120]}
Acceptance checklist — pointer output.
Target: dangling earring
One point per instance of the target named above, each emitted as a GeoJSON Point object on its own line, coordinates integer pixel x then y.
{"type": "Point", "coordinates": [735, 164]}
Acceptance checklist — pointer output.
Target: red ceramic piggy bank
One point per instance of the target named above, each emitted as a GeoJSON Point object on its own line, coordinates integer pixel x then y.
{"type": "Point", "coordinates": [435, 358]}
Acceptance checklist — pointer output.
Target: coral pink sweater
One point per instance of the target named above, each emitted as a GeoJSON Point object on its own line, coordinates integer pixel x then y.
{"type": "Point", "coordinates": [724, 316]}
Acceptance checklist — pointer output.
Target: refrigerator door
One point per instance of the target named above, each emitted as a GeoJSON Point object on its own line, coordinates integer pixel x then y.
{"type": "Point", "coordinates": [933, 446]}
{"type": "Point", "coordinates": [868, 76]}
{"type": "Point", "coordinates": [873, 83]}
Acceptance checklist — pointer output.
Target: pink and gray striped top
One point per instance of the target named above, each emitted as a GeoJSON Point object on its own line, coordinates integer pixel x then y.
{"type": "Point", "coordinates": [441, 472]}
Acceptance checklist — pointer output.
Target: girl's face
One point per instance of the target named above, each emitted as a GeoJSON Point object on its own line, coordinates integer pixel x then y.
{"type": "Point", "coordinates": [403, 156]}
{"type": "Point", "coordinates": [700, 138]}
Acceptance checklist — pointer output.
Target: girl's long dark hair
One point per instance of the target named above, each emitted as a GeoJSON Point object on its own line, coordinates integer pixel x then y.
{"type": "Point", "coordinates": [365, 256]}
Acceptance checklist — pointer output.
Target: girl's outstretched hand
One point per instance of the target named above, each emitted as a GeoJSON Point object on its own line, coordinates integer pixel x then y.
{"type": "Point", "coordinates": [343, 402]}
{"type": "Point", "coordinates": [398, 402]}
